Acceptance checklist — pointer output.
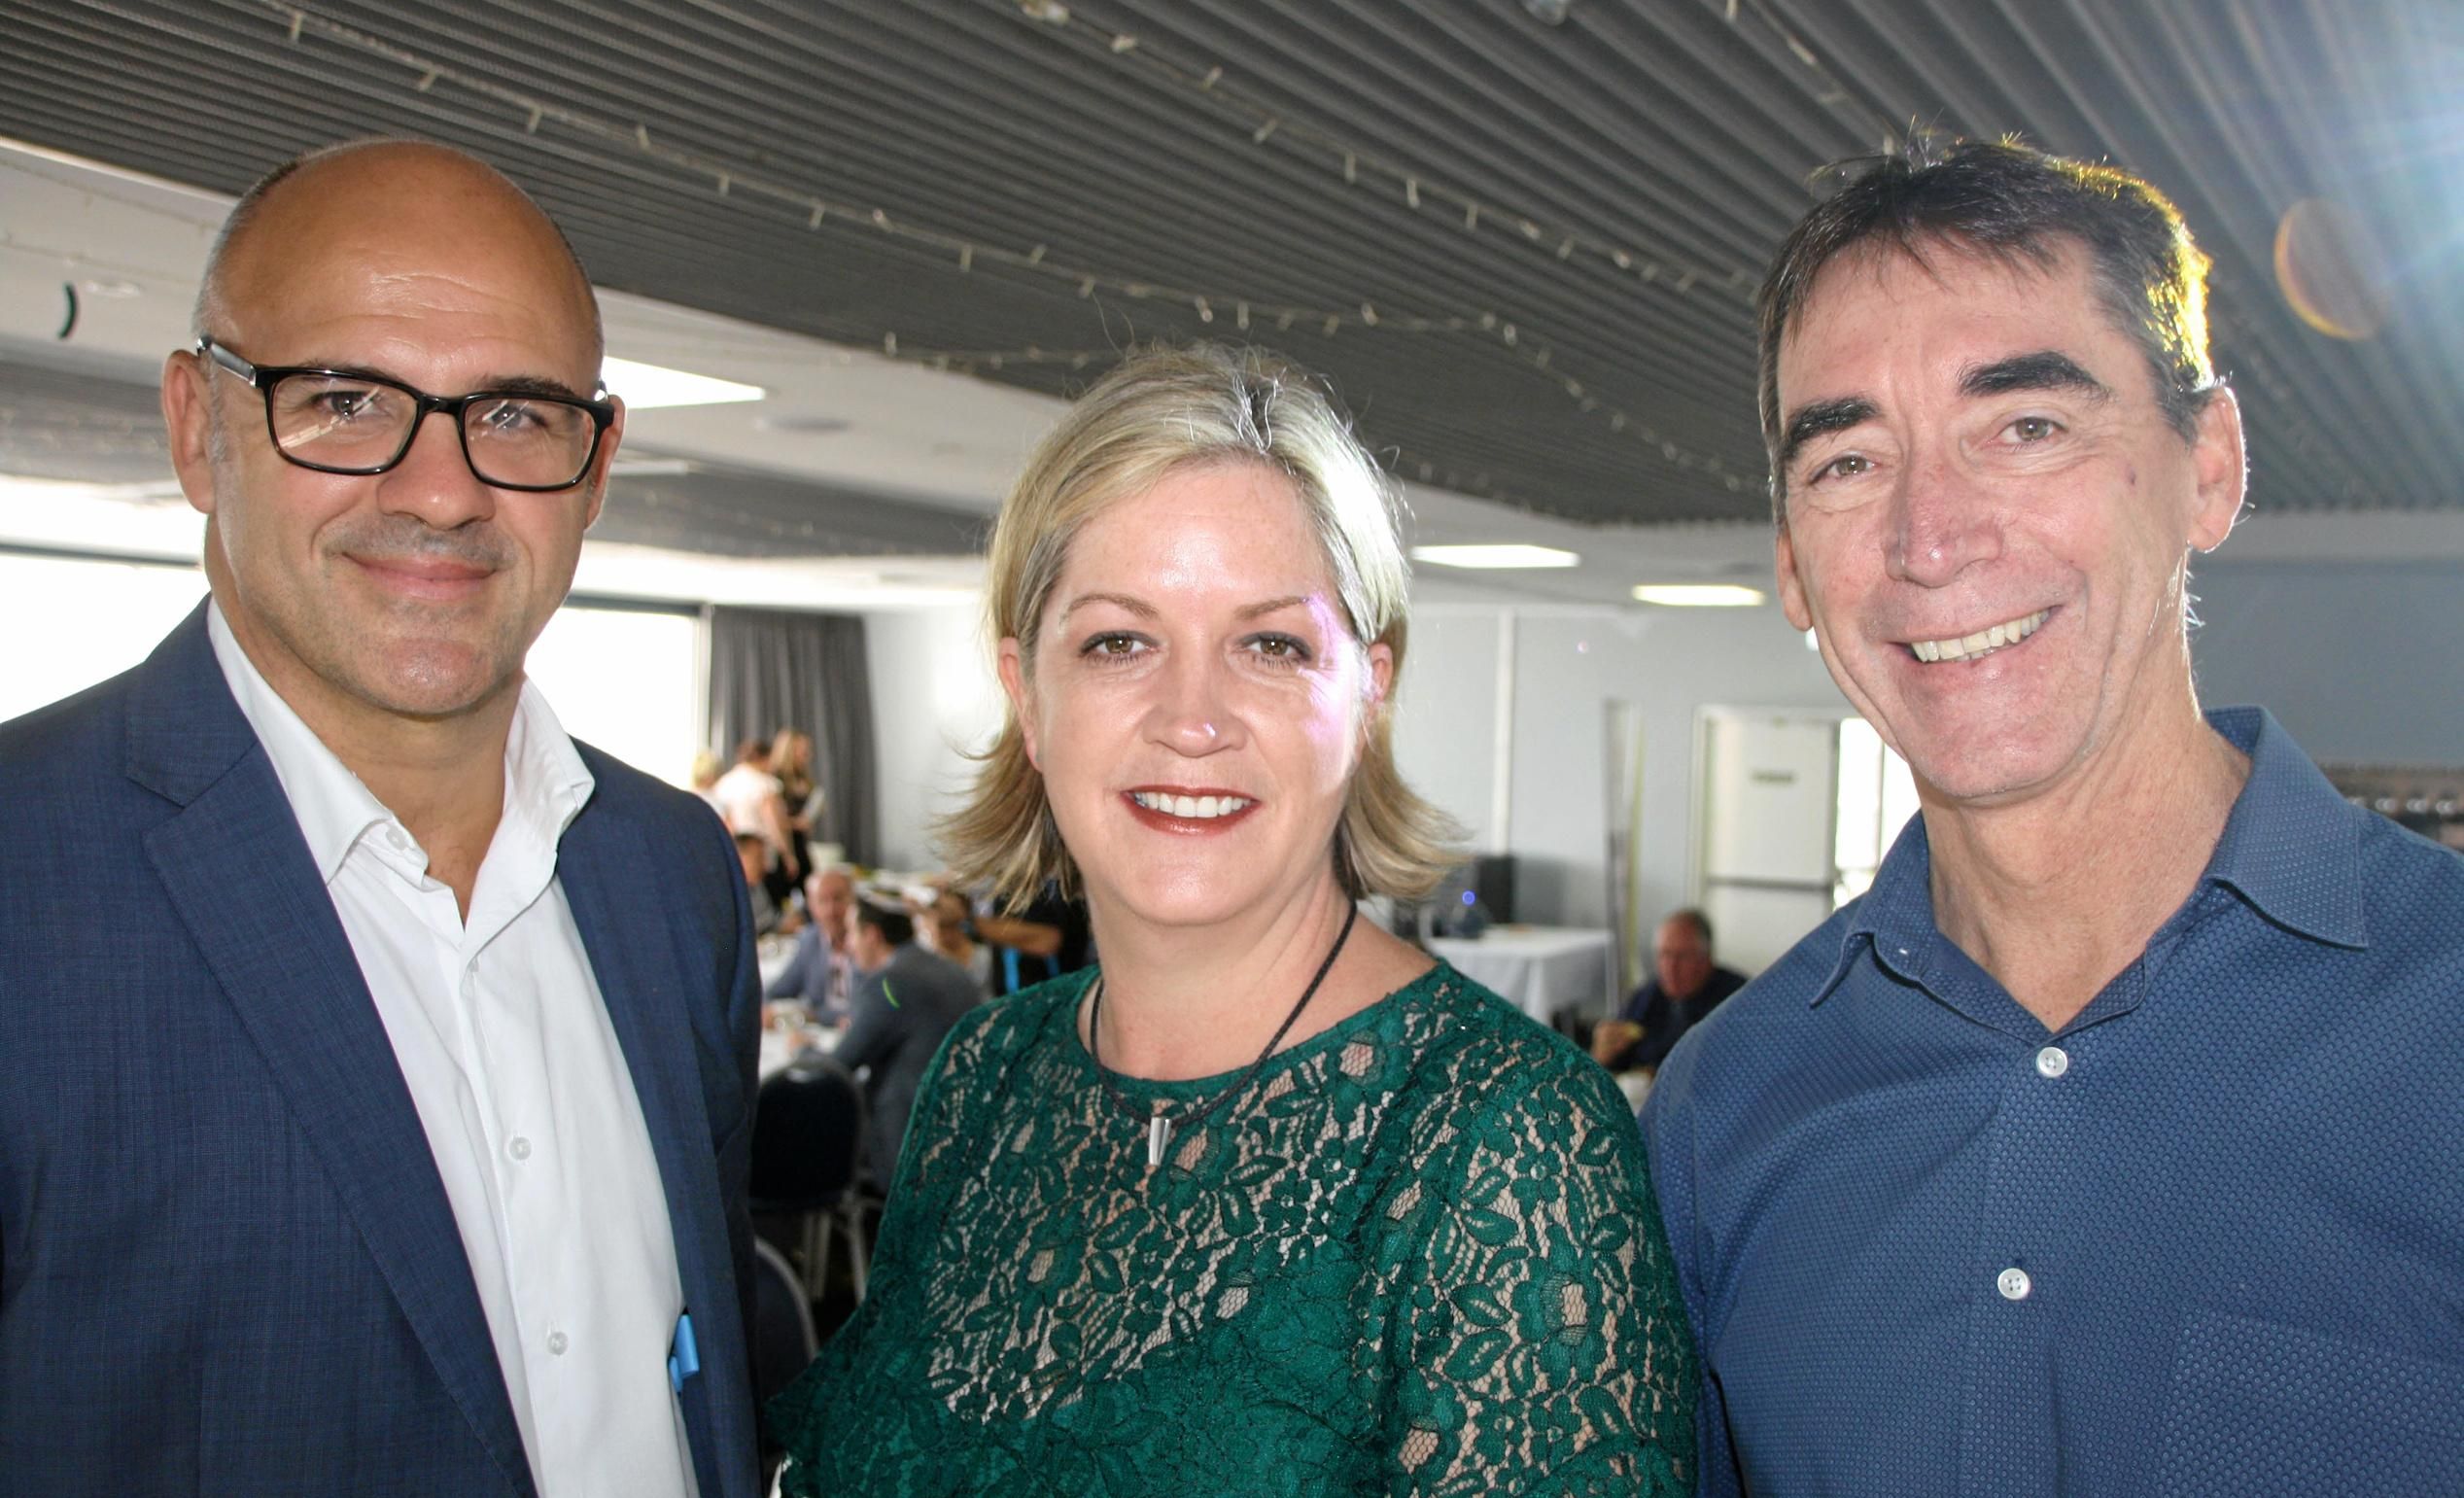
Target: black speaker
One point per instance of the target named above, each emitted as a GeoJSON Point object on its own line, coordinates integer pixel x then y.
{"type": "Point", "coordinates": [1492, 881]}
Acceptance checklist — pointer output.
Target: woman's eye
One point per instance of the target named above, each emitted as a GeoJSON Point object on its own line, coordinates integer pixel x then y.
{"type": "Point", "coordinates": [1112, 646]}
{"type": "Point", "coordinates": [1280, 647]}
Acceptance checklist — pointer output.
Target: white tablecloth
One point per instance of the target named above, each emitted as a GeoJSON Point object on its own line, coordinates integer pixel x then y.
{"type": "Point", "coordinates": [1539, 968]}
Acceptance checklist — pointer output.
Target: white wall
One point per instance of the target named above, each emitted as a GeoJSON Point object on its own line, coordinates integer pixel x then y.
{"type": "Point", "coordinates": [1446, 715]}
{"type": "Point", "coordinates": [934, 699]}
{"type": "Point", "coordinates": [1569, 665]}
{"type": "Point", "coordinates": [2362, 662]}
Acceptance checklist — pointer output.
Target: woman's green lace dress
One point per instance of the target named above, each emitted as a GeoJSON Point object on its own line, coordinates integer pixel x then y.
{"type": "Point", "coordinates": [1417, 1255]}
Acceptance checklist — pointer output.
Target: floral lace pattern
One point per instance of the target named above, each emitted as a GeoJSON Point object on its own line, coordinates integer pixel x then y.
{"type": "Point", "coordinates": [1419, 1256]}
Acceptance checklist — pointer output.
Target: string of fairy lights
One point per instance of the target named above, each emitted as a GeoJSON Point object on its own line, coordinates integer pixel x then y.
{"type": "Point", "coordinates": [1264, 129]}
{"type": "Point", "coordinates": [736, 180]}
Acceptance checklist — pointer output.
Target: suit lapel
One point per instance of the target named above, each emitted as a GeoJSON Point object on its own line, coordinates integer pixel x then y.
{"type": "Point", "coordinates": [240, 878]}
{"type": "Point", "coordinates": [612, 883]}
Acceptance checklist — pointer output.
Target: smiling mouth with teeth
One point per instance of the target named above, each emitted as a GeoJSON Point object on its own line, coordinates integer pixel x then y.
{"type": "Point", "coordinates": [1982, 642]}
{"type": "Point", "coordinates": [1191, 808]}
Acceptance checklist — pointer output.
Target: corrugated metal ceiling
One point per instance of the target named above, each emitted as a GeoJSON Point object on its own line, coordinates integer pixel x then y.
{"type": "Point", "coordinates": [1525, 252]}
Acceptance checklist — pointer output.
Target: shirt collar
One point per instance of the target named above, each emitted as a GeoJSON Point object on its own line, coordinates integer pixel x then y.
{"type": "Point", "coordinates": [2291, 847]}
{"type": "Point", "coordinates": [546, 783]}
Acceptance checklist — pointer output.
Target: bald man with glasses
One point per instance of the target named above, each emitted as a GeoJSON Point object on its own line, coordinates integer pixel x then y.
{"type": "Point", "coordinates": [406, 1153]}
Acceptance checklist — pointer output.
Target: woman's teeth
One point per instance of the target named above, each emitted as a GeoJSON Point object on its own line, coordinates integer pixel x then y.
{"type": "Point", "coordinates": [1969, 646]}
{"type": "Point", "coordinates": [1192, 808]}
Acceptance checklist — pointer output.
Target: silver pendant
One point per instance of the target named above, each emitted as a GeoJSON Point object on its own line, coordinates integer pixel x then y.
{"type": "Point", "coordinates": [1158, 1134]}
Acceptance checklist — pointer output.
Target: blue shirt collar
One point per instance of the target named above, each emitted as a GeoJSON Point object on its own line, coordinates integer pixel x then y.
{"type": "Point", "coordinates": [2291, 847]}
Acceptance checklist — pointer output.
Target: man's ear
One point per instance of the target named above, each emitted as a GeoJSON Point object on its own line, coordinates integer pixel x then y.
{"type": "Point", "coordinates": [2222, 467]}
{"type": "Point", "coordinates": [187, 420]}
{"type": "Point", "coordinates": [606, 459]}
{"type": "Point", "coordinates": [1010, 664]}
{"type": "Point", "coordinates": [1792, 599]}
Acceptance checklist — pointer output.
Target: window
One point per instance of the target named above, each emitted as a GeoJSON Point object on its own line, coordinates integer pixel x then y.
{"type": "Point", "coordinates": [627, 681]}
{"type": "Point", "coordinates": [68, 622]}
{"type": "Point", "coordinates": [1876, 797]}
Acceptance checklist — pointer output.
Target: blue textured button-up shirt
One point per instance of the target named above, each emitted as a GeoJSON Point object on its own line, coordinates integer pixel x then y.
{"type": "Point", "coordinates": [2208, 1238]}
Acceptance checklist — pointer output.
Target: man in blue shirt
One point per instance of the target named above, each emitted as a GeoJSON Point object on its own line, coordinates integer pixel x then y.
{"type": "Point", "coordinates": [818, 972]}
{"type": "Point", "coordinates": [2109, 1144]}
{"type": "Point", "coordinates": [1685, 987]}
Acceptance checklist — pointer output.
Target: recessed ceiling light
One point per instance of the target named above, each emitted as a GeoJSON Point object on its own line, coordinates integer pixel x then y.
{"type": "Point", "coordinates": [643, 386]}
{"type": "Point", "coordinates": [1697, 595]}
{"type": "Point", "coordinates": [1502, 556]}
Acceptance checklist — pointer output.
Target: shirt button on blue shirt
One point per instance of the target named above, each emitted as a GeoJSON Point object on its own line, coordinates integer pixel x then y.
{"type": "Point", "coordinates": [2051, 1061]}
{"type": "Point", "coordinates": [2014, 1284]}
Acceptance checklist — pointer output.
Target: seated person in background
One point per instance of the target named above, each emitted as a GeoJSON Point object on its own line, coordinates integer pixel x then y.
{"type": "Point", "coordinates": [817, 974]}
{"type": "Point", "coordinates": [941, 927]}
{"type": "Point", "coordinates": [754, 854]}
{"type": "Point", "coordinates": [1049, 937]}
{"type": "Point", "coordinates": [1686, 985]}
{"type": "Point", "coordinates": [905, 1000]}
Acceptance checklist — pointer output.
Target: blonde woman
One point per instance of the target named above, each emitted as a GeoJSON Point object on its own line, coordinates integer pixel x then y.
{"type": "Point", "coordinates": [1269, 1202]}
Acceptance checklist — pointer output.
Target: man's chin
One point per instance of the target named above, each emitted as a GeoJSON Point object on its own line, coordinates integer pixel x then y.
{"type": "Point", "coordinates": [433, 682]}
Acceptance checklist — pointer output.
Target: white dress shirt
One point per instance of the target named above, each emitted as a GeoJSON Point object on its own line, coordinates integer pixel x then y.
{"type": "Point", "coordinates": [522, 1089]}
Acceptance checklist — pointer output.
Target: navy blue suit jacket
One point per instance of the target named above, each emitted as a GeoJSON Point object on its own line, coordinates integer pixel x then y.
{"type": "Point", "coordinates": [226, 1260]}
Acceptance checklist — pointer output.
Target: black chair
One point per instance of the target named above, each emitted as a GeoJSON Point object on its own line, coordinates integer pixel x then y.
{"type": "Point", "coordinates": [783, 1337]}
{"type": "Point", "coordinates": [808, 1154]}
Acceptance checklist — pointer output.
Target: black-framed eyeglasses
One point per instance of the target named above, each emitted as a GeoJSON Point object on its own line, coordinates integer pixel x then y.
{"type": "Point", "coordinates": [343, 421]}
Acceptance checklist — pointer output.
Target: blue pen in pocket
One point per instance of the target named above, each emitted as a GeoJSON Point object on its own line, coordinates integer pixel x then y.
{"type": "Point", "coordinates": [684, 1360]}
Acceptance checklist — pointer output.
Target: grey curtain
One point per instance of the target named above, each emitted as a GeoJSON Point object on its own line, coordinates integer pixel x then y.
{"type": "Point", "coordinates": [774, 669]}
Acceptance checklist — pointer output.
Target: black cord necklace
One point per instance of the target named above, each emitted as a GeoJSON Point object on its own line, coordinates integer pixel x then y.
{"type": "Point", "coordinates": [1162, 1126]}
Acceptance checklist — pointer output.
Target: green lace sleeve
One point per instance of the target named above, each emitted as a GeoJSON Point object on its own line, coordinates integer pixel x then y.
{"type": "Point", "coordinates": [1543, 1347]}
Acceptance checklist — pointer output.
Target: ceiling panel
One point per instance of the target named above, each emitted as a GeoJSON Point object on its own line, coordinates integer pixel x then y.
{"type": "Point", "coordinates": [1523, 252]}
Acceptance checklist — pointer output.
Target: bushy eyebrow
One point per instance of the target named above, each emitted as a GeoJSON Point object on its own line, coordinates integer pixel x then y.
{"type": "Point", "coordinates": [502, 384]}
{"type": "Point", "coordinates": [2043, 369]}
{"type": "Point", "coordinates": [531, 385]}
{"type": "Point", "coordinates": [1820, 418]}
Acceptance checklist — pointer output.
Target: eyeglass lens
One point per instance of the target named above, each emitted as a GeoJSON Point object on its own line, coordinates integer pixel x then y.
{"type": "Point", "coordinates": [340, 422]}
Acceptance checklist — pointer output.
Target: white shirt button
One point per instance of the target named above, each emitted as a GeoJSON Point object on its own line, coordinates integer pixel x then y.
{"type": "Point", "coordinates": [520, 1149]}
{"type": "Point", "coordinates": [557, 1344]}
{"type": "Point", "coordinates": [2014, 1284]}
{"type": "Point", "coordinates": [2051, 1061]}
{"type": "Point", "coordinates": [393, 835]}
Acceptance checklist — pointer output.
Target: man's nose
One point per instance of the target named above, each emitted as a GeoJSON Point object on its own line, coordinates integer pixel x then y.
{"type": "Point", "coordinates": [434, 481]}
{"type": "Point", "coordinates": [1945, 522]}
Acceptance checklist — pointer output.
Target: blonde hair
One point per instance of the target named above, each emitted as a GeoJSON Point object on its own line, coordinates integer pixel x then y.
{"type": "Point", "coordinates": [1158, 411]}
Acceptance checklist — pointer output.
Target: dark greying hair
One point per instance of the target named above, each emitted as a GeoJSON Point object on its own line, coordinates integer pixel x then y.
{"type": "Point", "coordinates": [2018, 205]}
{"type": "Point", "coordinates": [1695, 919]}
{"type": "Point", "coordinates": [896, 926]}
